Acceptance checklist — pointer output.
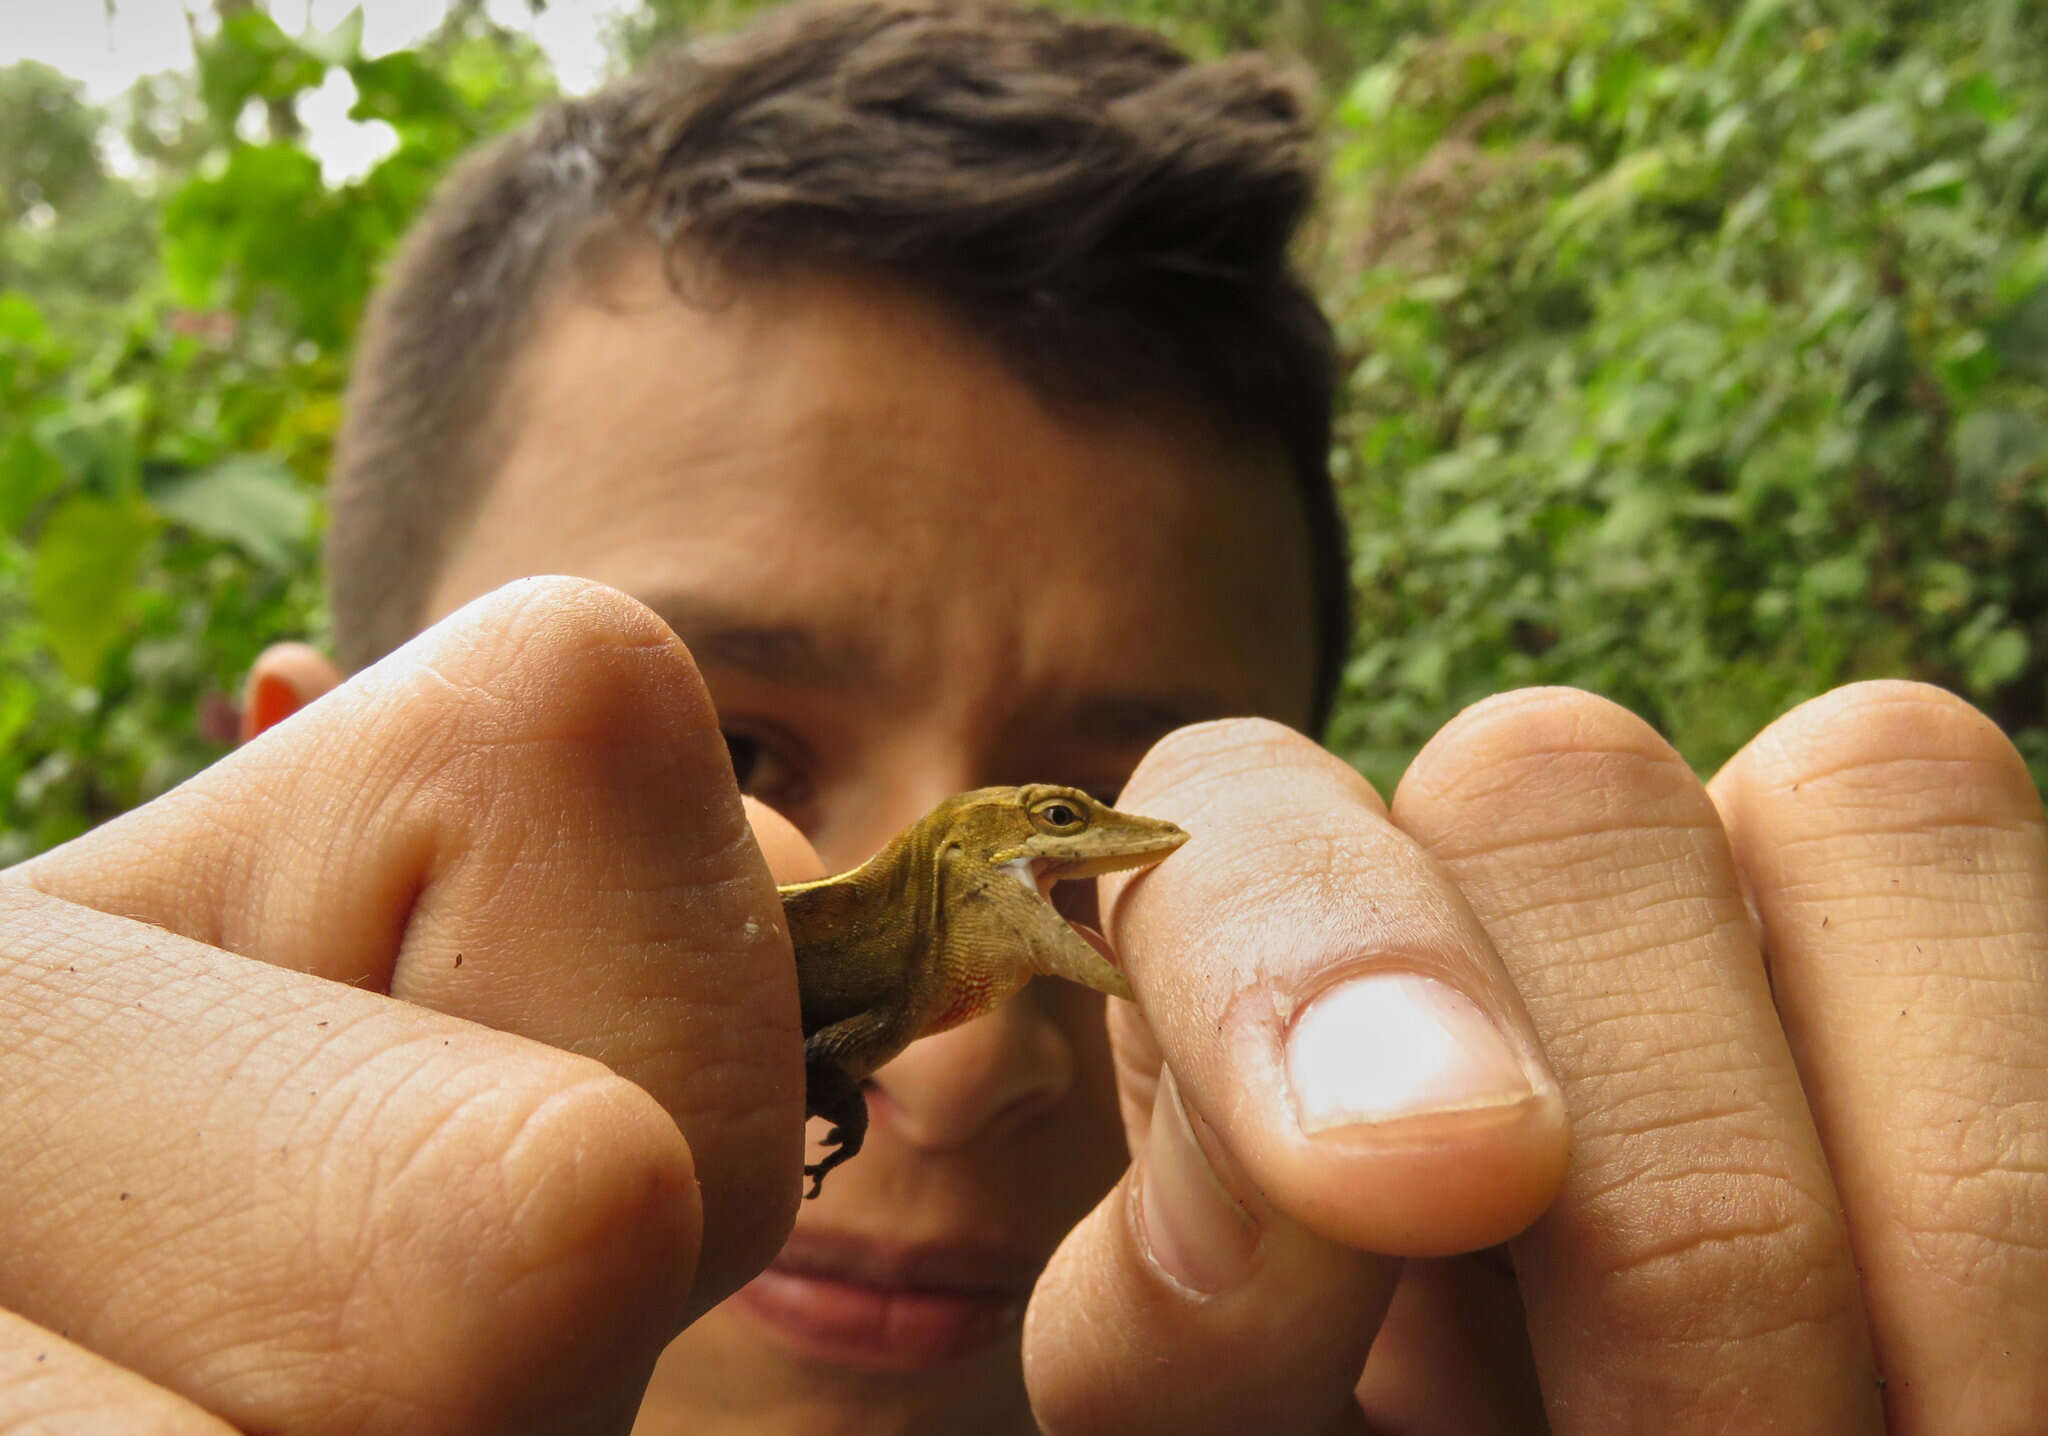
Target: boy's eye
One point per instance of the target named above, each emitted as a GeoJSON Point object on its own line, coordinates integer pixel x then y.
{"type": "Point", "coordinates": [746, 756]}
{"type": "Point", "coordinates": [768, 770]}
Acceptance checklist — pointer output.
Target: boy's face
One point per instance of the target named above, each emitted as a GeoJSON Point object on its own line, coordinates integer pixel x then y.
{"type": "Point", "coordinates": [902, 575]}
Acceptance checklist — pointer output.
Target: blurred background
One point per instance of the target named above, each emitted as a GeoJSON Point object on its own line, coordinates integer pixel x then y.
{"type": "Point", "coordinates": [1696, 352]}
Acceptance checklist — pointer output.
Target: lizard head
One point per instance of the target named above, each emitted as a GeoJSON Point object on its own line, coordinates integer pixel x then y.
{"type": "Point", "coordinates": [1018, 842]}
{"type": "Point", "coordinates": [1047, 833]}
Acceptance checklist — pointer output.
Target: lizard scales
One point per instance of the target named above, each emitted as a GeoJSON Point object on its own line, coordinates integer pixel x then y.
{"type": "Point", "coordinates": [953, 916]}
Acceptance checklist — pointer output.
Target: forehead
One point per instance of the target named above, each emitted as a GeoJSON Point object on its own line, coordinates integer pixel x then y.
{"type": "Point", "coordinates": [841, 469]}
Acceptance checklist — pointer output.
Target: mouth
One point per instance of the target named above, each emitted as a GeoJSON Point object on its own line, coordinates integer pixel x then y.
{"type": "Point", "coordinates": [872, 1306]}
{"type": "Point", "coordinates": [1053, 870]}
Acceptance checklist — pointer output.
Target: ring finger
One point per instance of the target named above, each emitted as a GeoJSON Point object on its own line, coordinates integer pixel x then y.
{"type": "Point", "coordinates": [1893, 840]}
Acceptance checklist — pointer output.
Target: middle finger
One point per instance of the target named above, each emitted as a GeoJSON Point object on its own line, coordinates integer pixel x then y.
{"type": "Point", "coordinates": [1696, 1274]}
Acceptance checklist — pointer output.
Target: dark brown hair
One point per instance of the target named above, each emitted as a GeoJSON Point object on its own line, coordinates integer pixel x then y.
{"type": "Point", "coordinates": [1112, 218]}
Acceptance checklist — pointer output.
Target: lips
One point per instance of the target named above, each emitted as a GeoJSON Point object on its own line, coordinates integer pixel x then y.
{"type": "Point", "coordinates": [869, 1305]}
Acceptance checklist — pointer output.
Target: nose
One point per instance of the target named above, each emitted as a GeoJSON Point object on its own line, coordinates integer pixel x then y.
{"type": "Point", "coordinates": [979, 1079]}
{"type": "Point", "coordinates": [986, 1075]}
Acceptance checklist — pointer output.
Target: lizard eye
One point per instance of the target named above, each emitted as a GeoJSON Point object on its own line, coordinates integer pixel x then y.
{"type": "Point", "coordinates": [1059, 816]}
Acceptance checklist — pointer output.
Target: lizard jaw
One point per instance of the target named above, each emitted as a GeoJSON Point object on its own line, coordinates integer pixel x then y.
{"type": "Point", "coordinates": [1093, 965]}
{"type": "Point", "coordinates": [1045, 870]}
{"type": "Point", "coordinates": [1039, 874]}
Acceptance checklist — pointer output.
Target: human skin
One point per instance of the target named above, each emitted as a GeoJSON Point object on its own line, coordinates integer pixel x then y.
{"type": "Point", "coordinates": [1769, 1178]}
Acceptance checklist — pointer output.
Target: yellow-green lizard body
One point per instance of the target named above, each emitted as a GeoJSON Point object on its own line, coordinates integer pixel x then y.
{"type": "Point", "coordinates": [948, 920]}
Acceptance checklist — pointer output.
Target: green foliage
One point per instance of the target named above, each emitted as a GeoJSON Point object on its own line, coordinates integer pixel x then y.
{"type": "Point", "coordinates": [49, 149]}
{"type": "Point", "coordinates": [166, 417]}
{"type": "Point", "coordinates": [123, 609]}
{"type": "Point", "coordinates": [1698, 356]}
{"type": "Point", "coordinates": [65, 226]}
{"type": "Point", "coordinates": [1700, 361]}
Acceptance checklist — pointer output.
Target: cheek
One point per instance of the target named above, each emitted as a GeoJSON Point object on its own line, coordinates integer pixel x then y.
{"type": "Point", "coordinates": [1091, 1130]}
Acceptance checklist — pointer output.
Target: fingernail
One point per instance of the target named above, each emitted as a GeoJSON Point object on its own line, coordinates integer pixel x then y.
{"type": "Point", "coordinates": [1397, 1045]}
{"type": "Point", "coordinates": [1199, 1236]}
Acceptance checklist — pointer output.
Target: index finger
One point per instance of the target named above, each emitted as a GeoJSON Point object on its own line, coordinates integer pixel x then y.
{"type": "Point", "coordinates": [1329, 1005]}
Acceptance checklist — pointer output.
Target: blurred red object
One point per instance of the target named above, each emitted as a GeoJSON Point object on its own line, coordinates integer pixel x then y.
{"type": "Point", "coordinates": [219, 719]}
{"type": "Point", "coordinates": [215, 326]}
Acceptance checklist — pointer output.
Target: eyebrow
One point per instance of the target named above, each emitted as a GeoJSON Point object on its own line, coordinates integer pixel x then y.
{"type": "Point", "coordinates": [791, 653]}
{"type": "Point", "coordinates": [804, 656]}
{"type": "Point", "coordinates": [1137, 719]}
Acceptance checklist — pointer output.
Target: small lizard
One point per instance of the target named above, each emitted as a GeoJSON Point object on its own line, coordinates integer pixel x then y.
{"type": "Point", "coordinates": [949, 919]}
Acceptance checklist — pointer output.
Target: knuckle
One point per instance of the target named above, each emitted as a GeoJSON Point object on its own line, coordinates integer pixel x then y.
{"type": "Point", "coordinates": [1737, 1255]}
{"type": "Point", "coordinates": [542, 1199]}
{"type": "Point", "coordinates": [588, 1166]}
{"type": "Point", "coordinates": [1979, 1182]}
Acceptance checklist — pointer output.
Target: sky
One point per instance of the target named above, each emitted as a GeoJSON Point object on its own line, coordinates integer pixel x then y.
{"type": "Point", "coordinates": [108, 51]}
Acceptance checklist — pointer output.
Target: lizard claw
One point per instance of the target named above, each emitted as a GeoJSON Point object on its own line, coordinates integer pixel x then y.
{"type": "Point", "coordinates": [842, 1144]}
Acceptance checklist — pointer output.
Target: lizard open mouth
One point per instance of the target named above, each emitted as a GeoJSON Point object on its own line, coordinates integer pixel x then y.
{"type": "Point", "coordinates": [1047, 871]}
{"type": "Point", "coordinates": [1100, 970]}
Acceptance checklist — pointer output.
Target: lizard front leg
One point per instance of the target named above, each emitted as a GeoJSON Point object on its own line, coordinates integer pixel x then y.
{"type": "Point", "coordinates": [831, 1056]}
{"type": "Point", "coordinates": [831, 1094]}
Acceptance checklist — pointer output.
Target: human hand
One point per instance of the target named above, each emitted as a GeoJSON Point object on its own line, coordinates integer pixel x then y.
{"type": "Point", "coordinates": [1302, 969]}
{"type": "Point", "coordinates": [240, 1184]}
{"type": "Point", "coordinates": [1779, 1165]}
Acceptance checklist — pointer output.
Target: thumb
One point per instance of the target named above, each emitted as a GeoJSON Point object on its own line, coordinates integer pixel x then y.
{"type": "Point", "coordinates": [1327, 999]}
{"type": "Point", "coordinates": [527, 818]}
{"type": "Point", "coordinates": [1338, 1067]}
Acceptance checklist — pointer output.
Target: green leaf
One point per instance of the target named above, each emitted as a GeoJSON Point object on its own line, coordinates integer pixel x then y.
{"type": "Point", "coordinates": [1843, 576]}
{"type": "Point", "coordinates": [249, 500]}
{"type": "Point", "coordinates": [1724, 128]}
{"type": "Point", "coordinates": [223, 232]}
{"type": "Point", "coordinates": [1993, 445]}
{"type": "Point", "coordinates": [402, 89]}
{"type": "Point", "coordinates": [21, 322]}
{"type": "Point", "coordinates": [83, 583]}
{"type": "Point", "coordinates": [29, 474]}
{"type": "Point", "coordinates": [1633, 517]}
{"type": "Point", "coordinates": [1967, 363]}
{"type": "Point", "coordinates": [1878, 353]}
{"type": "Point", "coordinates": [1372, 94]}
{"type": "Point", "coordinates": [1436, 288]}
{"type": "Point", "coordinates": [1476, 528]}
{"type": "Point", "coordinates": [17, 706]}
{"type": "Point", "coordinates": [1999, 659]}
{"type": "Point", "coordinates": [1938, 183]}
{"type": "Point", "coordinates": [1745, 212]}
{"type": "Point", "coordinates": [1882, 132]}
{"type": "Point", "coordinates": [1756, 14]}
{"type": "Point", "coordinates": [251, 58]}
{"type": "Point", "coordinates": [341, 45]}
{"type": "Point", "coordinates": [1980, 96]}
{"type": "Point", "coordinates": [1630, 179]}
{"type": "Point", "coordinates": [2021, 336]}
{"type": "Point", "coordinates": [97, 441]}
{"type": "Point", "coordinates": [1945, 587]}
